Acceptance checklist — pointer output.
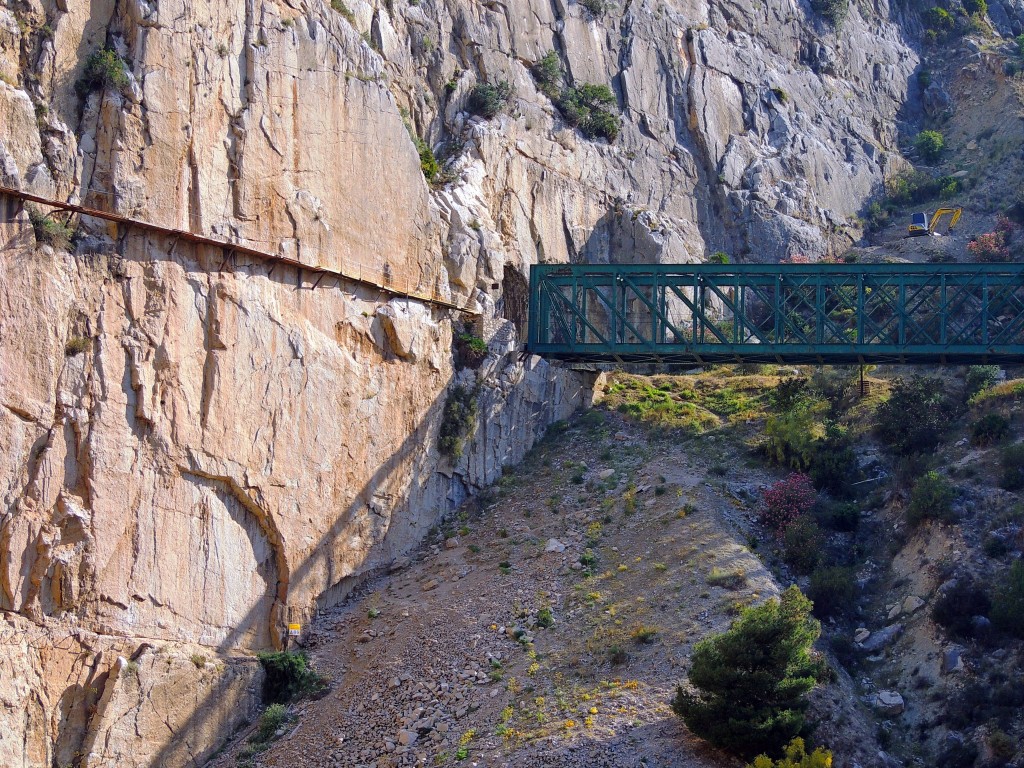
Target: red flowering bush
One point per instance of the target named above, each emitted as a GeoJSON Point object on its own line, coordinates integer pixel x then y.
{"type": "Point", "coordinates": [989, 247]}
{"type": "Point", "coordinates": [787, 500]}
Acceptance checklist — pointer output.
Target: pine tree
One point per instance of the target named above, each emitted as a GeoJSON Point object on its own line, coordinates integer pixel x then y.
{"type": "Point", "coordinates": [751, 680]}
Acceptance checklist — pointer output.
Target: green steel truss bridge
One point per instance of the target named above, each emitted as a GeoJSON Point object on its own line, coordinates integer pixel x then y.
{"type": "Point", "coordinates": [780, 313]}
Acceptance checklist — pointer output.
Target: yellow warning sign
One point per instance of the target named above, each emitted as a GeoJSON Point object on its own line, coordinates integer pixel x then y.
{"type": "Point", "coordinates": [294, 630]}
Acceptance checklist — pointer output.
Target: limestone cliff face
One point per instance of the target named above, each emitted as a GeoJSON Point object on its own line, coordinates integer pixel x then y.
{"type": "Point", "coordinates": [194, 451]}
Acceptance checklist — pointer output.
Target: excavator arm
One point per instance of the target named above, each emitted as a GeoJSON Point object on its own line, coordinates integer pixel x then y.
{"type": "Point", "coordinates": [937, 217]}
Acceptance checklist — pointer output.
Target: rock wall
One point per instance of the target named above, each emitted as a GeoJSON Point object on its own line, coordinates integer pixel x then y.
{"type": "Point", "coordinates": [197, 450]}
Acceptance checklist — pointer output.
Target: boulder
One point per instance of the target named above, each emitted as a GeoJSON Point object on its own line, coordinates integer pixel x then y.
{"type": "Point", "coordinates": [888, 703]}
{"type": "Point", "coordinates": [883, 637]}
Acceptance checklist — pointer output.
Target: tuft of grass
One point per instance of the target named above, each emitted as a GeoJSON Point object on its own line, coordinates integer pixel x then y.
{"type": "Point", "coordinates": [273, 717]}
{"type": "Point", "coordinates": [344, 10]}
{"type": "Point", "coordinates": [644, 634]}
{"type": "Point", "coordinates": [76, 345]}
{"type": "Point", "coordinates": [49, 231]}
{"type": "Point", "coordinates": [731, 579]}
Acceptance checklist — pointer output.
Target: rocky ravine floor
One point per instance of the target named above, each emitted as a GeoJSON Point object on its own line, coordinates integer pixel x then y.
{"type": "Point", "coordinates": [446, 661]}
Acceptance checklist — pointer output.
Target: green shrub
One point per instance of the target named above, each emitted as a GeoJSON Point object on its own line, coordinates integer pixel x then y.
{"type": "Point", "coordinates": [979, 378]}
{"type": "Point", "coordinates": [788, 393]}
{"type": "Point", "coordinates": [803, 439]}
{"type": "Point", "coordinates": [489, 100]}
{"type": "Point", "coordinates": [973, 7]}
{"type": "Point", "coordinates": [990, 428]}
{"type": "Point", "coordinates": [929, 145]}
{"type": "Point", "coordinates": [718, 257]}
{"type": "Point", "coordinates": [459, 416]}
{"type": "Point", "coordinates": [76, 345]}
{"type": "Point", "coordinates": [1003, 745]}
{"type": "Point", "coordinates": [839, 516]}
{"type": "Point", "coordinates": [271, 720]}
{"type": "Point", "coordinates": [49, 231]}
{"type": "Point", "coordinates": [104, 69]}
{"type": "Point", "coordinates": [590, 108]}
{"type": "Point", "coordinates": [802, 545]}
{"type": "Point", "coordinates": [832, 10]}
{"type": "Point", "coordinates": [832, 590]}
{"type": "Point", "coordinates": [915, 187]}
{"type": "Point", "coordinates": [288, 676]}
{"type": "Point", "coordinates": [796, 757]}
{"type": "Point", "coordinates": [428, 162]}
{"type": "Point", "coordinates": [1012, 461]}
{"type": "Point", "coordinates": [545, 618]}
{"type": "Point", "coordinates": [547, 71]}
{"type": "Point", "coordinates": [939, 21]}
{"type": "Point", "coordinates": [956, 607]}
{"type": "Point", "coordinates": [1020, 44]}
{"type": "Point", "coordinates": [1008, 602]}
{"type": "Point", "coordinates": [915, 416]}
{"type": "Point", "coordinates": [596, 7]}
{"type": "Point", "coordinates": [751, 681]}
{"type": "Point", "coordinates": [924, 78]}
{"type": "Point", "coordinates": [344, 10]}
{"type": "Point", "coordinates": [931, 499]}
{"type": "Point", "coordinates": [470, 349]}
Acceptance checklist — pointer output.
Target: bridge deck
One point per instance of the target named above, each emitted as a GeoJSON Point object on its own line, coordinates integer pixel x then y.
{"type": "Point", "coordinates": [794, 313]}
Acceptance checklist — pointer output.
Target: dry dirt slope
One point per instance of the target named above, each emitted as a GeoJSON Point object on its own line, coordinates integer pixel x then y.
{"type": "Point", "coordinates": [426, 663]}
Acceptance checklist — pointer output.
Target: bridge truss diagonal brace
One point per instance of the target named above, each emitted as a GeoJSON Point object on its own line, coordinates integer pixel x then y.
{"type": "Point", "coordinates": [835, 313]}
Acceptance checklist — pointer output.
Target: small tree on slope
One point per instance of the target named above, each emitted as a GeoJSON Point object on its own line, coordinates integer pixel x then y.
{"type": "Point", "coordinates": [751, 680]}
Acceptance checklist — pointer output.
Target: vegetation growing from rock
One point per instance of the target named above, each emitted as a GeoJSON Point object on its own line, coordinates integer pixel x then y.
{"type": "Point", "coordinates": [288, 676]}
{"type": "Point", "coordinates": [596, 7]}
{"type": "Point", "coordinates": [48, 230]}
{"type": "Point", "coordinates": [488, 100]}
{"type": "Point", "coordinates": [104, 69]}
{"type": "Point", "coordinates": [958, 605]}
{"type": "Point", "coordinates": [547, 71]}
{"type": "Point", "coordinates": [796, 756]}
{"type": "Point", "coordinates": [590, 108]}
{"type": "Point", "coordinates": [832, 590]}
{"type": "Point", "coordinates": [1008, 601]}
{"type": "Point", "coordinates": [990, 428]}
{"type": "Point", "coordinates": [834, 11]}
{"type": "Point", "coordinates": [428, 162]}
{"type": "Point", "coordinates": [751, 681]}
{"type": "Point", "coordinates": [931, 499]}
{"type": "Point", "coordinates": [786, 501]}
{"type": "Point", "coordinates": [344, 10]}
{"type": "Point", "coordinates": [458, 419]}
{"type": "Point", "coordinates": [803, 434]}
{"type": "Point", "coordinates": [915, 417]}
{"type": "Point", "coordinates": [929, 146]}
{"type": "Point", "coordinates": [939, 22]}
{"type": "Point", "coordinates": [1012, 464]}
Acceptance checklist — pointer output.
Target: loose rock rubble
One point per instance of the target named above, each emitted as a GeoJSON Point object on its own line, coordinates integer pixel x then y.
{"type": "Point", "coordinates": [512, 643]}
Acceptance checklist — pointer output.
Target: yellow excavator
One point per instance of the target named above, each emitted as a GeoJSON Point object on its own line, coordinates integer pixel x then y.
{"type": "Point", "coordinates": [920, 226]}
